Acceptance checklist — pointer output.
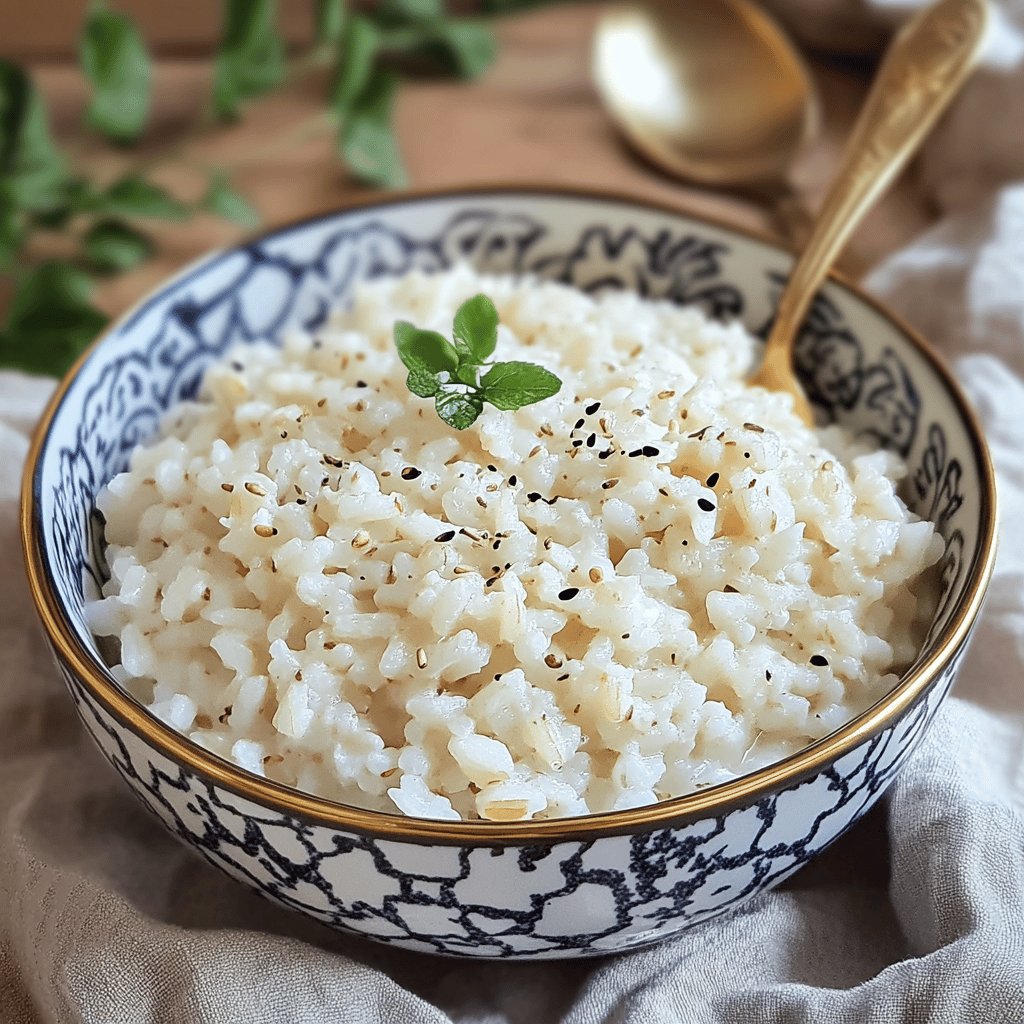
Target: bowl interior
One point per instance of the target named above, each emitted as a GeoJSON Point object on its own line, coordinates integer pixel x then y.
{"type": "Point", "coordinates": [858, 366]}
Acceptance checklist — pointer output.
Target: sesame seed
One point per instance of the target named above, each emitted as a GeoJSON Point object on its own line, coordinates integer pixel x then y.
{"type": "Point", "coordinates": [547, 543]}
{"type": "Point", "coordinates": [756, 428]}
{"type": "Point", "coordinates": [321, 403]}
{"type": "Point", "coordinates": [255, 489]}
{"type": "Point", "coordinates": [227, 487]}
{"type": "Point", "coordinates": [705, 505]}
{"type": "Point", "coordinates": [535, 450]}
{"type": "Point", "coordinates": [410, 473]}
{"type": "Point", "coordinates": [609, 484]}
{"type": "Point", "coordinates": [596, 576]}
{"type": "Point", "coordinates": [666, 394]}
{"type": "Point", "coordinates": [562, 678]}
{"type": "Point", "coordinates": [264, 531]}
{"type": "Point", "coordinates": [332, 461]}
{"type": "Point", "coordinates": [480, 501]}
{"type": "Point", "coordinates": [443, 538]}
{"type": "Point", "coordinates": [712, 480]}
{"type": "Point", "coordinates": [461, 570]}
{"type": "Point", "coordinates": [421, 657]}
{"type": "Point", "coordinates": [552, 661]}
{"type": "Point", "coordinates": [819, 660]}
{"type": "Point", "coordinates": [360, 539]}
{"type": "Point", "coordinates": [568, 594]}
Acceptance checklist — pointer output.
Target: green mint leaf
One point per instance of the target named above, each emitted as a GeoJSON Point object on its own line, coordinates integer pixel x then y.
{"type": "Point", "coordinates": [51, 320]}
{"type": "Point", "coordinates": [134, 196]}
{"type": "Point", "coordinates": [514, 384]}
{"type": "Point", "coordinates": [367, 141]}
{"type": "Point", "coordinates": [476, 327]}
{"type": "Point", "coordinates": [250, 59]}
{"type": "Point", "coordinates": [330, 22]}
{"type": "Point", "coordinates": [458, 46]}
{"type": "Point", "coordinates": [401, 12]}
{"type": "Point", "coordinates": [31, 168]}
{"type": "Point", "coordinates": [225, 202]}
{"type": "Point", "coordinates": [423, 383]}
{"type": "Point", "coordinates": [12, 234]}
{"type": "Point", "coordinates": [114, 60]}
{"type": "Point", "coordinates": [424, 350]}
{"type": "Point", "coordinates": [111, 246]}
{"type": "Point", "coordinates": [467, 374]}
{"type": "Point", "coordinates": [458, 410]}
{"type": "Point", "coordinates": [356, 57]}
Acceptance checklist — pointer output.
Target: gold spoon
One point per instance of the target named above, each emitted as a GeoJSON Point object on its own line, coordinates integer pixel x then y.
{"type": "Point", "coordinates": [709, 90]}
{"type": "Point", "coordinates": [923, 69]}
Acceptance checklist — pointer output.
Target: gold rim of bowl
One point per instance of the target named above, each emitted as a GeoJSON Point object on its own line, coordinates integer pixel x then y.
{"type": "Point", "coordinates": [679, 811]}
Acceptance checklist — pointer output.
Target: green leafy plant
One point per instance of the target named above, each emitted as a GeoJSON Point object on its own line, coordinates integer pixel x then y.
{"type": "Point", "coordinates": [449, 371]}
{"type": "Point", "coordinates": [106, 227]}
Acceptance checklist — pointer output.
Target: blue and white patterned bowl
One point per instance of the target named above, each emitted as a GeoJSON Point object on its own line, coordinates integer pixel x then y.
{"type": "Point", "coordinates": [570, 887]}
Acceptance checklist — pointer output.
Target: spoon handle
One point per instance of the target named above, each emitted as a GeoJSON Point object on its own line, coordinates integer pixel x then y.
{"type": "Point", "coordinates": [923, 69]}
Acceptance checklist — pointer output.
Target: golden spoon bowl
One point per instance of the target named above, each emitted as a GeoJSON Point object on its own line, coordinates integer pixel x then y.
{"type": "Point", "coordinates": [709, 90]}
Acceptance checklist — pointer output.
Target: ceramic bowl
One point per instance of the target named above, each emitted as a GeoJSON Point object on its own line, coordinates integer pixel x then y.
{"type": "Point", "coordinates": [561, 888]}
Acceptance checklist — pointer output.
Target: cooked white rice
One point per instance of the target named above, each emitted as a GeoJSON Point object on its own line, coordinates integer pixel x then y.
{"type": "Point", "coordinates": [655, 581]}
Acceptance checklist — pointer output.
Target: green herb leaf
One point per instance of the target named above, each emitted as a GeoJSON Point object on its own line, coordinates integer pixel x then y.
{"type": "Point", "coordinates": [51, 320]}
{"type": "Point", "coordinates": [515, 384]}
{"type": "Point", "coordinates": [134, 196]}
{"type": "Point", "coordinates": [355, 64]}
{"type": "Point", "coordinates": [367, 142]}
{"type": "Point", "coordinates": [476, 328]}
{"type": "Point", "coordinates": [397, 12]}
{"type": "Point", "coordinates": [423, 383]}
{"type": "Point", "coordinates": [111, 246]}
{"type": "Point", "coordinates": [114, 59]}
{"type": "Point", "coordinates": [224, 201]}
{"type": "Point", "coordinates": [251, 56]}
{"type": "Point", "coordinates": [458, 410]}
{"type": "Point", "coordinates": [12, 233]}
{"type": "Point", "coordinates": [330, 22]}
{"type": "Point", "coordinates": [425, 350]}
{"type": "Point", "coordinates": [31, 169]}
{"type": "Point", "coordinates": [459, 46]}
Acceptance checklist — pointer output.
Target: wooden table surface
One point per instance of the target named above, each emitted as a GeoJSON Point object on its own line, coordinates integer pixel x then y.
{"type": "Point", "coordinates": [534, 117]}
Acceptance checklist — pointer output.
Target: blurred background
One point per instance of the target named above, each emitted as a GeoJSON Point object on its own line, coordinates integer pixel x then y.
{"type": "Point", "coordinates": [134, 136]}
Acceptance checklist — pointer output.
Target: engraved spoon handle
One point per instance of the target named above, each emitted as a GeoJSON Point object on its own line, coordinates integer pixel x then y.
{"type": "Point", "coordinates": [922, 71]}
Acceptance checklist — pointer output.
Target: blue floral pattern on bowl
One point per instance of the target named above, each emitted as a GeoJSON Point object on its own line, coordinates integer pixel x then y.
{"type": "Point", "coordinates": [550, 896]}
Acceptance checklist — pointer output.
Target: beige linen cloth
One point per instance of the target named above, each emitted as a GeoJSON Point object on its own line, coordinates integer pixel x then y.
{"type": "Point", "coordinates": [916, 915]}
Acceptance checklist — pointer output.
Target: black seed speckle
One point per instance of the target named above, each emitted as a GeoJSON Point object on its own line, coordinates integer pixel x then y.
{"type": "Point", "coordinates": [579, 423]}
{"type": "Point", "coordinates": [533, 496]}
{"type": "Point", "coordinates": [513, 480]}
{"type": "Point", "coordinates": [592, 408]}
{"type": "Point", "coordinates": [650, 451]}
{"type": "Point", "coordinates": [410, 473]}
{"type": "Point", "coordinates": [819, 660]}
{"type": "Point", "coordinates": [705, 505]}
{"type": "Point", "coordinates": [361, 384]}
{"type": "Point", "coordinates": [443, 538]}
{"type": "Point", "coordinates": [712, 480]}
{"type": "Point", "coordinates": [568, 594]}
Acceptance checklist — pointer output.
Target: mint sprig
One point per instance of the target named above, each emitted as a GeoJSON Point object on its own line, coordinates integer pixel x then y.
{"type": "Point", "coordinates": [449, 372]}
